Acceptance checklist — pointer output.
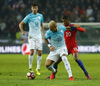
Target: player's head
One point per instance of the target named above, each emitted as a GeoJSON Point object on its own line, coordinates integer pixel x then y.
{"type": "Point", "coordinates": [65, 20]}
{"type": "Point", "coordinates": [34, 8]}
{"type": "Point", "coordinates": [52, 26]}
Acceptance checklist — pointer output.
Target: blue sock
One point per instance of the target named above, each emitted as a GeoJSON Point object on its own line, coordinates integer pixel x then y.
{"type": "Point", "coordinates": [82, 66]}
{"type": "Point", "coordinates": [55, 66]}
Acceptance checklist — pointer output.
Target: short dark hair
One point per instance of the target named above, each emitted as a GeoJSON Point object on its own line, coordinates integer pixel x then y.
{"type": "Point", "coordinates": [34, 4]}
{"type": "Point", "coordinates": [65, 17]}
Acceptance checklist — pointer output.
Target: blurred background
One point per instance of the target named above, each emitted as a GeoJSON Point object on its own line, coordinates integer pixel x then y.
{"type": "Point", "coordinates": [83, 12]}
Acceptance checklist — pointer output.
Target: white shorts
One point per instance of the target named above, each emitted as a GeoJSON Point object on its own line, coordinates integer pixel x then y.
{"type": "Point", "coordinates": [35, 43]}
{"type": "Point", "coordinates": [54, 55]}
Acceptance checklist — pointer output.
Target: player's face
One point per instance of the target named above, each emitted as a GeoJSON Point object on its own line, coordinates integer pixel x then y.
{"type": "Point", "coordinates": [34, 9]}
{"type": "Point", "coordinates": [66, 22]}
{"type": "Point", "coordinates": [53, 28]}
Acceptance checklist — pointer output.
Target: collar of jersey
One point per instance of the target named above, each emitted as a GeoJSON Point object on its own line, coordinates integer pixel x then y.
{"type": "Point", "coordinates": [34, 14]}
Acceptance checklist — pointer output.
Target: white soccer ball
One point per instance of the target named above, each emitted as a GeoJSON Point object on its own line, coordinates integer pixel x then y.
{"type": "Point", "coordinates": [30, 75]}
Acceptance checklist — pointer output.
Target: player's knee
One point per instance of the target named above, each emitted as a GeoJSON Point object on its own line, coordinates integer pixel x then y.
{"type": "Point", "coordinates": [64, 55]}
{"type": "Point", "coordinates": [47, 65]}
{"type": "Point", "coordinates": [76, 59]}
{"type": "Point", "coordinates": [75, 55]}
{"type": "Point", "coordinates": [31, 52]}
{"type": "Point", "coordinates": [40, 54]}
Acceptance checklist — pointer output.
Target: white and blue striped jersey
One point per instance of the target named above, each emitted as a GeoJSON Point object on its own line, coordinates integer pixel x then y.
{"type": "Point", "coordinates": [56, 38]}
{"type": "Point", "coordinates": [34, 22]}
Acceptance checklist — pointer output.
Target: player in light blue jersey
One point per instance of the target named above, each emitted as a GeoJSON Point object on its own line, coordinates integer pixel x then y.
{"type": "Point", "coordinates": [57, 47]}
{"type": "Point", "coordinates": [35, 22]}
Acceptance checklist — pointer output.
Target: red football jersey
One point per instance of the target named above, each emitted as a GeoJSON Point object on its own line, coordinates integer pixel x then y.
{"type": "Point", "coordinates": [69, 36]}
{"type": "Point", "coordinates": [70, 40]}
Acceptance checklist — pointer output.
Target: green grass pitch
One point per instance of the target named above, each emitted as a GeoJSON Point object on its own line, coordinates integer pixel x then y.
{"type": "Point", "coordinates": [13, 69]}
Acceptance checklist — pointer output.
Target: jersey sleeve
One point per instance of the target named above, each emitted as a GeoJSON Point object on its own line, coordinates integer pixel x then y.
{"type": "Point", "coordinates": [80, 29]}
{"type": "Point", "coordinates": [25, 20]}
{"type": "Point", "coordinates": [63, 27]}
{"type": "Point", "coordinates": [42, 20]}
{"type": "Point", "coordinates": [47, 35]}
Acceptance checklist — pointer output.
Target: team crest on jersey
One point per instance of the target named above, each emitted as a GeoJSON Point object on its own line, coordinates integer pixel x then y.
{"type": "Point", "coordinates": [39, 17]}
{"type": "Point", "coordinates": [61, 31]}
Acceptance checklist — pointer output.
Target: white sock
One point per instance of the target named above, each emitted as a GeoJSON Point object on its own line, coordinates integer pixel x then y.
{"type": "Point", "coordinates": [30, 61]}
{"type": "Point", "coordinates": [51, 68]}
{"type": "Point", "coordinates": [67, 65]}
{"type": "Point", "coordinates": [39, 58]}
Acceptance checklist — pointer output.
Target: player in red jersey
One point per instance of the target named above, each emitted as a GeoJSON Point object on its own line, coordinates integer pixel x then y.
{"type": "Point", "coordinates": [71, 44]}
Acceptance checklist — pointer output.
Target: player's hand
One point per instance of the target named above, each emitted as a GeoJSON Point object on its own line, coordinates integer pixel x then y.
{"type": "Point", "coordinates": [77, 25]}
{"type": "Point", "coordinates": [73, 28]}
{"type": "Point", "coordinates": [52, 48]}
{"type": "Point", "coordinates": [23, 32]}
{"type": "Point", "coordinates": [68, 28]}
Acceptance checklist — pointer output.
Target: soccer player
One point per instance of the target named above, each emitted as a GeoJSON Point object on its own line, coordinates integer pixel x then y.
{"type": "Point", "coordinates": [35, 22]}
{"type": "Point", "coordinates": [57, 47]}
{"type": "Point", "coordinates": [71, 44]}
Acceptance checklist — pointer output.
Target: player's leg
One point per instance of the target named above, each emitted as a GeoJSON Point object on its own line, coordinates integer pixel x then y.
{"type": "Point", "coordinates": [31, 59]}
{"type": "Point", "coordinates": [55, 65]}
{"type": "Point", "coordinates": [67, 66]}
{"type": "Point", "coordinates": [63, 55]}
{"type": "Point", "coordinates": [76, 58]}
{"type": "Point", "coordinates": [51, 68]}
{"type": "Point", "coordinates": [39, 54]}
{"type": "Point", "coordinates": [52, 57]}
{"type": "Point", "coordinates": [75, 55]}
{"type": "Point", "coordinates": [39, 58]}
{"type": "Point", "coordinates": [31, 47]}
{"type": "Point", "coordinates": [48, 65]}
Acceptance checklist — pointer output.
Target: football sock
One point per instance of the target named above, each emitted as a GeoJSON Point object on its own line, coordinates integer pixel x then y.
{"type": "Point", "coordinates": [67, 65]}
{"type": "Point", "coordinates": [51, 68]}
{"type": "Point", "coordinates": [30, 61]}
{"type": "Point", "coordinates": [81, 65]}
{"type": "Point", "coordinates": [55, 66]}
{"type": "Point", "coordinates": [38, 61]}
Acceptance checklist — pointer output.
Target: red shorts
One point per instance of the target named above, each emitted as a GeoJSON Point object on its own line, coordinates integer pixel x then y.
{"type": "Point", "coordinates": [72, 50]}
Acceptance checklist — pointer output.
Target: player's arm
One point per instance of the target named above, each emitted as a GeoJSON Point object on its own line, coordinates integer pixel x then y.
{"type": "Point", "coordinates": [48, 43]}
{"type": "Point", "coordinates": [68, 28]}
{"type": "Point", "coordinates": [21, 27]}
{"type": "Point", "coordinates": [71, 28]}
{"type": "Point", "coordinates": [79, 28]}
{"type": "Point", "coordinates": [76, 25]}
{"type": "Point", "coordinates": [42, 28]}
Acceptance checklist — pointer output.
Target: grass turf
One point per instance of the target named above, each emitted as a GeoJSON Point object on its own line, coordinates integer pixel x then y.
{"type": "Point", "coordinates": [13, 69]}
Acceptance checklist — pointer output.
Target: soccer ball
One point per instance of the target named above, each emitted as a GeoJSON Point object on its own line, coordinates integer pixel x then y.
{"type": "Point", "coordinates": [30, 75]}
